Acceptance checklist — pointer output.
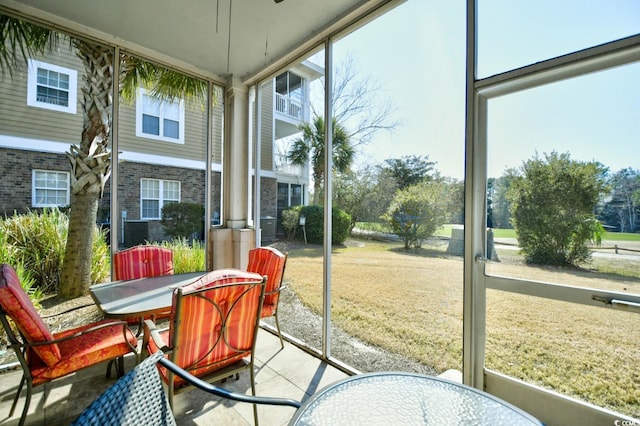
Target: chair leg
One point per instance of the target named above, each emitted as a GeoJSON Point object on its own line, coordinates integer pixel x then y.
{"type": "Point", "coordinates": [118, 363]}
{"type": "Point", "coordinates": [120, 368]}
{"type": "Point", "coordinates": [279, 332]}
{"type": "Point", "coordinates": [27, 402]}
{"type": "Point", "coordinates": [15, 400]}
{"type": "Point", "coordinates": [109, 365]}
{"type": "Point", "coordinates": [253, 392]}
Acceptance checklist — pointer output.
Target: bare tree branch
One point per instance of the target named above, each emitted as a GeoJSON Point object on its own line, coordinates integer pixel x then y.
{"type": "Point", "coordinates": [358, 104]}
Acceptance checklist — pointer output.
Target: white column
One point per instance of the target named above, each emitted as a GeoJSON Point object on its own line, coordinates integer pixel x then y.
{"type": "Point", "coordinates": [236, 155]}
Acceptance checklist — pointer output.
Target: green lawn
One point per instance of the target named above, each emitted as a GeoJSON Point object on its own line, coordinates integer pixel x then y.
{"type": "Point", "coordinates": [445, 231]}
{"type": "Point", "coordinates": [410, 303]}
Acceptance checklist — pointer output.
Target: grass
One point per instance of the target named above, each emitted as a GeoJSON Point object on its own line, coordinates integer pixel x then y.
{"type": "Point", "coordinates": [188, 256]}
{"type": "Point", "coordinates": [411, 303]}
{"type": "Point", "coordinates": [445, 231]}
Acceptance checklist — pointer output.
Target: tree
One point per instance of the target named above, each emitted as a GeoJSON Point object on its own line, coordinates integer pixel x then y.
{"type": "Point", "coordinates": [358, 114]}
{"type": "Point", "coordinates": [358, 105]}
{"type": "Point", "coordinates": [625, 198]}
{"type": "Point", "coordinates": [311, 147]}
{"type": "Point", "coordinates": [90, 159]}
{"type": "Point", "coordinates": [552, 203]}
{"type": "Point", "coordinates": [417, 212]}
{"type": "Point", "coordinates": [352, 193]}
{"type": "Point", "coordinates": [500, 204]}
{"type": "Point", "coordinates": [454, 200]}
{"type": "Point", "coordinates": [411, 169]}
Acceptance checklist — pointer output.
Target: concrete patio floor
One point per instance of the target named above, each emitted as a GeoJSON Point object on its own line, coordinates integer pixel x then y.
{"type": "Point", "coordinates": [288, 373]}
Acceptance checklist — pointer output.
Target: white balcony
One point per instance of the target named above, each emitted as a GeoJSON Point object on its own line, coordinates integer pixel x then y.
{"type": "Point", "coordinates": [289, 107]}
{"type": "Point", "coordinates": [284, 166]}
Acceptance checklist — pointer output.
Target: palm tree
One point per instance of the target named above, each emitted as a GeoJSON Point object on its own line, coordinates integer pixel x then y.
{"type": "Point", "coordinates": [90, 159]}
{"type": "Point", "coordinates": [310, 147]}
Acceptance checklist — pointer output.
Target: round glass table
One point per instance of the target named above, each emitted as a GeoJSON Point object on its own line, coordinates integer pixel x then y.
{"type": "Point", "coordinates": [406, 399]}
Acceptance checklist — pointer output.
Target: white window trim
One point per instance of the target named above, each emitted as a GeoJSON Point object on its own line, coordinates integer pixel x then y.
{"type": "Point", "coordinates": [139, 110]}
{"type": "Point", "coordinates": [32, 86]}
{"type": "Point", "coordinates": [161, 199]}
{"type": "Point", "coordinates": [34, 199]}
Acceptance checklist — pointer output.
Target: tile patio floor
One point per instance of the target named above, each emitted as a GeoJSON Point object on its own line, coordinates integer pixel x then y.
{"type": "Point", "coordinates": [289, 372]}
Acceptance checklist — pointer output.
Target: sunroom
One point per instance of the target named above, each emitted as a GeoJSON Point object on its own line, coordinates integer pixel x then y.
{"type": "Point", "coordinates": [477, 91]}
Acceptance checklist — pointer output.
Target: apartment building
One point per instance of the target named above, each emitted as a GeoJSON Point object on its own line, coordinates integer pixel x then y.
{"type": "Point", "coordinates": [162, 146]}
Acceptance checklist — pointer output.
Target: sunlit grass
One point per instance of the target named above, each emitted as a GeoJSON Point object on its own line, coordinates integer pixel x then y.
{"type": "Point", "coordinates": [445, 231]}
{"type": "Point", "coordinates": [411, 304]}
{"type": "Point", "coordinates": [187, 256]}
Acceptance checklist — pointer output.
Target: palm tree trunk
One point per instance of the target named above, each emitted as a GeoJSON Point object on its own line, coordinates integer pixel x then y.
{"type": "Point", "coordinates": [76, 268]}
{"type": "Point", "coordinates": [90, 167]}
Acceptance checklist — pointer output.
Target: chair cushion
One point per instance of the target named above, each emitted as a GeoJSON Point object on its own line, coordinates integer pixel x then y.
{"type": "Point", "coordinates": [199, 328]}
{"type": "Point", "coordinates": [16, 303]}
{"type": "Point", "coordinates": [270, 262]}
{"type": "Point", "coordinates": [85, 350]}
{"type": "Point", "coordinates": [142, 261]}
{"type": "Point", "coordinates": [204, 345]}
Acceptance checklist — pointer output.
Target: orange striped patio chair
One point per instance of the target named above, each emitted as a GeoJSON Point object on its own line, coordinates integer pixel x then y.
{"type": "Point", "coordinates": [45, 356]}
{"type": "Point", "coordinates": [212, 328]}
{"type": "Point", "coordinates": [270, 262]}
{"type": "Point", "coordinates": [142, 261]}
{"type": "Point", "coordinates": [139, 262]}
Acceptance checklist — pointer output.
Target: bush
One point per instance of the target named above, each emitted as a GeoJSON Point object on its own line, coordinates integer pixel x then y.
{"type": "Point", "coordinates": [101, 256]}
{"type": "Point", "coordinates": [290, 221]}
{"type": "Point", "coordinates": [416, 212]}
{"type": "Point", "coordinates": [182, 220]}
{"type": "Point", "coordinates": [186, 257]}
{"type": "Point", "coordinates": [341, 225]}
{"type": "Point", "coordinates": [26, 280]}
{"type": "Point", "coordinates": [36, 242]}
{"type": "Point", "coordinates": [314, 225]}
{"type": "Point", "coordinates": [552, 204]}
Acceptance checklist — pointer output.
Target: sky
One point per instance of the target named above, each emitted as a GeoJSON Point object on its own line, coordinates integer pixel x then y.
{"type": "Point", "coordinates": [416, 53]}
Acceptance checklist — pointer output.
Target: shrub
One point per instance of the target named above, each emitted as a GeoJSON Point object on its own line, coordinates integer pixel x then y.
{"type": "Point", "coordinates": [182, 220]}
{"type": "Point", "coordinates": [341, 225]}
{"type": "Point", "coordinates": [101, 256]}
{"type": "Point", "coordinates": [36, 243]}
{"type": "Point", "coordinates": [26, 280]}
{"type": "Point", "coordinates": [552, 204]}
{"type": "Point", "coordinates": [416, 212]}
{"type": "Point", "coordinates": [290, 221]}
{"type": "Point", "coordinates": [186, 257]}
{"type": "Point", "coordinates": [314, 225]}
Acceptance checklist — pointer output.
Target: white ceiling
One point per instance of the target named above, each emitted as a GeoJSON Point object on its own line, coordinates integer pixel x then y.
{"type": "Point", "coordinates": [217, 38]}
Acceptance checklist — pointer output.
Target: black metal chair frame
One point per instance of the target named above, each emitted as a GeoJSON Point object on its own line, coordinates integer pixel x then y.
{"type": "Point", "coordinates": [20, 348]}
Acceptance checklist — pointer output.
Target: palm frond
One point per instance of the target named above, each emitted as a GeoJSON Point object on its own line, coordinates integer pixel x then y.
{"type": "Point", "coordinates": [21, 41]}
{"type": "Point", "coordinates": [164, 84]}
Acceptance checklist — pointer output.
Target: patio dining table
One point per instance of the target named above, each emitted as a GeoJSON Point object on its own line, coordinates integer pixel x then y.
{"type": "Point", "coordinates": [390, 398]}
{"type": "Point", "coordinates": [141, 297]}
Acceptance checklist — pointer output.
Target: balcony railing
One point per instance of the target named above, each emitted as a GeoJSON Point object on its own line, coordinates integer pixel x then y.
{"type": "Point", "coordinates": [289, 106]}
{"type": "Point", "coordinates": [283, 165]}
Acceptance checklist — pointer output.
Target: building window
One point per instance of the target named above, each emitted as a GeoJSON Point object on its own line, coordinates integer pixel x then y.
{"type": "Point", "coordinates": [50, 189]}
{"type": "Point", "coordinates": [161, 120]}
{"type": "Point", "coordinates": [154, 194]}
{"type": "Point", "coordinates": [51, 87]}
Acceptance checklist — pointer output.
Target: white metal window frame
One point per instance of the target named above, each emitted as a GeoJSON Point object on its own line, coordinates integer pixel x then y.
{"type": "Point", "coordinates": [550, 407]}
{"type": "Point", "coordinates": [162, 197]}
{"type": "Point", "coordinates": [32, 86]}
{"type": "Point", "coordinates": [163, 106]}
{"type": "Point", "coordinates": [35, 188]}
